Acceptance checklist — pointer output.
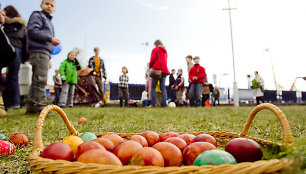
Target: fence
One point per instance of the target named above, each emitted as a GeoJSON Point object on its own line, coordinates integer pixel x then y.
{"type": "Point", "coordinates": [245, 95]}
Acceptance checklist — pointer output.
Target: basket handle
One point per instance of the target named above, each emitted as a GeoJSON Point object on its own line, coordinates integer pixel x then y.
{"type": "Point", "coordinates": [38, 143]}
{"type": "Point", "coordinates": [287, 135]}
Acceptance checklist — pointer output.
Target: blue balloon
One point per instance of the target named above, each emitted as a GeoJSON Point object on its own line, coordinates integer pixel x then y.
{"type": "Point", "coordinates": [57, 49]}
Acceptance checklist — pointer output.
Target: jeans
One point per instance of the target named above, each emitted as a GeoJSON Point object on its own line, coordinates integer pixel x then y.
{"type": "Point", "coordinates": [100, 85]}
{"type": "Point", "coordinates": [66, 97]}
{"type": "Point", "coordinates": [37, 95]}
{"type": "Point", "coordinates": [195, 94]}
{"type": "Point", "coordinates": [162, 88]}
{"type": "Point", "coordinates": [11, 93]}
{"type": "Point", "coordinates": [57, 94]}
{"type": "Point", "coordinates": [124, 95]}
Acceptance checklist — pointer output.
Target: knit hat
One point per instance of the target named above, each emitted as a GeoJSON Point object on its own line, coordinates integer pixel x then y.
{"type": "Point", "coordinates": [180, 69]}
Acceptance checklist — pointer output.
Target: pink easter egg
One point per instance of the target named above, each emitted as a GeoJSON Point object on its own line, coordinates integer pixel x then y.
{"type": "Point", "coordinates": [6, 148]}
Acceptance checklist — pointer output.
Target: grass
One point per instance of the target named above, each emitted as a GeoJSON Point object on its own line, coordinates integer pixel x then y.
{"type": "Point", "coordinates": [137, 120]}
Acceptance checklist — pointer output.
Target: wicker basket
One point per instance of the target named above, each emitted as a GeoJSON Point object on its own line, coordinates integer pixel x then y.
{"type": "Point", "coordinates": [43, 165]}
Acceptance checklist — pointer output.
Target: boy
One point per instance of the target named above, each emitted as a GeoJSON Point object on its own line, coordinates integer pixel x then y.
{"type": "Point", "coordinates": [124, 87]}
{"type": "Point", "coordinates": [41, 41]}
{"type": "Point", "coordinates": [97, 64]}
{"type": "Point", "coordinates": [197, 77]}
{"type": "Point", "coordinates": [57, 86]}
{"type": "Point", "coordinates": [179, 87]}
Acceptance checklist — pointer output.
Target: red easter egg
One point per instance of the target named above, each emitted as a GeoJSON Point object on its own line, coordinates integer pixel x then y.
{"type": "Point", "coordinates": [6, 148]}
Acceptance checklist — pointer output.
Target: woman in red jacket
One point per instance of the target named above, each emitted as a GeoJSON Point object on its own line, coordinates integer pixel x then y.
{"type": "Point", "coordinates": [158, 61]}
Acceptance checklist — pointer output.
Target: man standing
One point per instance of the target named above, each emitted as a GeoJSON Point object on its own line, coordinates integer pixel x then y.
{"type": "Point", "coordinates": [97, 64]}
{"type": "Point", "coordinates": [172, 92]}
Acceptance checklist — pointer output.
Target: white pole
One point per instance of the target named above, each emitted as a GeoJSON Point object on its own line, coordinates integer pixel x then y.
{"type": "Point", "coordinates": [235, 85]}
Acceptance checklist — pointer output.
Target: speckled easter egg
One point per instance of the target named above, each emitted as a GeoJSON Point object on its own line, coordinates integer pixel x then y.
{"type": "Point", "coordinates": [214, 157]}
{"type": "Point", "coordinates": [88, 136]}
{"type": "Point", "coordinates": [2, 136]}
{"type": "Point", "coordinates": [73, 142]}
{"type": "Point", "coordinates": [6, 148]}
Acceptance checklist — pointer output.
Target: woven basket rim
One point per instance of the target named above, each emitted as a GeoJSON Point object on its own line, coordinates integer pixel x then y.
{"type": "Point", "coordinates": [37, 162]}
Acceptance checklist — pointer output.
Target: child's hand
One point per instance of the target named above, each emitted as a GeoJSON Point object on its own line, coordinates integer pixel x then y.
{"type": "Point", "coordinates": [176, 88]}
{"type": "Point", "coordinates": [2, 15]}
{"type": "Point", "coordinates": [50, 65]}
{"type": "Point", "coordinates": [55, 41]}
{"type": "Point", "coordinates": [195, 78]}
{"type": "Point", "coordinates": [94, 73]}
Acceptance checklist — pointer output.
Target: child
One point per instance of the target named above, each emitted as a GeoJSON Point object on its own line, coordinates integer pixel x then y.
{"type": "Point", "coordinates": [57, 86]}
{"type": "Point", "coordinates": [68, 71]}
{"type": "Point", "coordinates": [179, 87]}
{"type": "Point", "coordinates": [124, 87]}
{"type": "Point", "coordinates": [197, 77]}
{"type": "Point", "coordinates": [41, 41]}
{"type": "Point", "coordinates": [144, 99]}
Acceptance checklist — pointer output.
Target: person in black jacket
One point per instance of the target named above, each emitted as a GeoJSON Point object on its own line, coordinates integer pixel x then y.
{"type": "Point", "coordinates": [15, 29]}
{"type": "Point", "coordinates": [171, 91]}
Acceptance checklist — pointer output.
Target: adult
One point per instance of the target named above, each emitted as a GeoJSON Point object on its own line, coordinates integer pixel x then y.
{"type": "Point", "coordinates": [171, 91]}
{"type": "Point", "coordinates": [2, 19]}
{"type": "Point", "coordinates": [158, 61]}
{"type": "Point", "coordinates": [97, 64]}
{"type": "Point", "coordinates": [216, 96]}
{"type": "Point", "coordinates": [258, 90]}
{"type": "Point", "coordinates": [15, 29]}
{"type": "Point", "coordinates": [148, 85]}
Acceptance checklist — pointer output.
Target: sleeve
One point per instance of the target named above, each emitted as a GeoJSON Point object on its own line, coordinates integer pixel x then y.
{"type": "Point", "coordinates": [190, 73]}
{"type": "Point", "coordinates": [90, 63]}
{"type": "Point", "coordinates": [25, 54]}
{"type": "Point", "coordinates": [62, 71]}
{"type": "Point", "coordinates": [103, 69]}
{"type": "Point", "coordinates": [34, 28]}
{"type": "Point", "coordinates": [202, 75]}
{"type": "Point", "coordinates": [153, 58]}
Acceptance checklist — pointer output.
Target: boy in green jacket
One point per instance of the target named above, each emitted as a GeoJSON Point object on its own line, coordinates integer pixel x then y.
{"type": "Point", "coordinates": [68, 71]}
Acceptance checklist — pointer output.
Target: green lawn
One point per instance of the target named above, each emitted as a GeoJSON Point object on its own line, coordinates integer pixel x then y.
{"type": "Point", "coordinates": [137, 120]}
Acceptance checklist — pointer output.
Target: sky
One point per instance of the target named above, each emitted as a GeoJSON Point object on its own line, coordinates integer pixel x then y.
{"type": "Point", "coordinates": [186, 27]}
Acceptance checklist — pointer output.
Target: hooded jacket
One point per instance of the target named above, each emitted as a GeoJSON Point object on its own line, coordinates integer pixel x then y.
{"type": "Point", "coordinates": [199, 72]}
{"type": "Point", "coordinates": [15, 29]}
{"type": "Point", "coordinates": [158, 59]}
{"type": "Point", "coordinates": [68, 71]}
{"type": "Point", "coordinates": [40, 33]}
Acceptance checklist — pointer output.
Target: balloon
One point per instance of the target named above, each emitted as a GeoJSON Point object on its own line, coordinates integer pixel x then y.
{"type": "Point", "coordinates": [57, 49]}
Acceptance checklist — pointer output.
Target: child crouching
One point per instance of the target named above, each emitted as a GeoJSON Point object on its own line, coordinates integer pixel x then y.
{"type": "Point", "coordinates": [68, 71]}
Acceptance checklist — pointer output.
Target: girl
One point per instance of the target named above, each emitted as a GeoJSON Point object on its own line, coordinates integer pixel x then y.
{"type": "Point", "coordinates": [124, 87]}
{"type": "Point", "coordinates": [68, 71]}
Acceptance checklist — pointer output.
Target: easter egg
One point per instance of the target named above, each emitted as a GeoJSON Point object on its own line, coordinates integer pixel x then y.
{"type": "Point", "coordinates": [2, 136]}
{"type": "Point", "coordinates": [58, 151]}
{"type": "Point", "coordinates": [88, 136]}
{"type": "Point", "coordinates": [244, 150]}
{"type": "Point", "coordinates": [19, 139]}
{"type": "Point", "coordinates": [73, 142]}
{"type": "Point", "coordinates": [82, 120]}
{"type": "Point", "coordinates": [6, 148]}
{"type": "Point", "coordinates": [214, 157]}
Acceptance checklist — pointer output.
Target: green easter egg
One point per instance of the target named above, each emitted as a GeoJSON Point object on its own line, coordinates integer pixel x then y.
{"type": "Point", "coordinates": [88, 136]}
{"type": "Point", "coordinates": [214, 157]}
{"type": "Point", "coordinates": [2, 136]}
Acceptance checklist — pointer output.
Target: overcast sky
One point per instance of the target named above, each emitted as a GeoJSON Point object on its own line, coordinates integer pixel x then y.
{"type": "Point", "coordinates": [196, 27]}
